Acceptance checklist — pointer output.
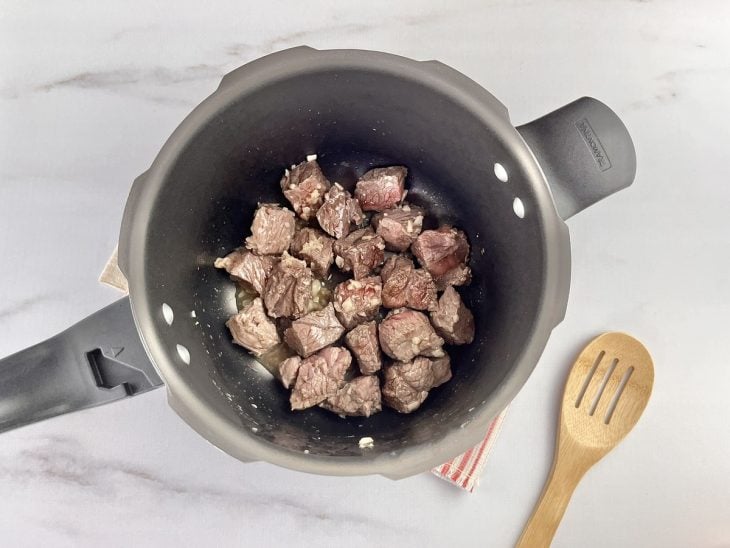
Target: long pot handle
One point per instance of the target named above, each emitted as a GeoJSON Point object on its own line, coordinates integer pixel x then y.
{"type": "Point", "coordinates": [585, 152]}
{"type": "Point", "coordinates": [99, 360]}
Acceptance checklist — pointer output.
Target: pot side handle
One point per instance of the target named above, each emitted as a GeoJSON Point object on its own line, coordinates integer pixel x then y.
{"type": "Point", "coordinates": [86, 365]}
{"type": "Point", "coordinates": [585, 152]}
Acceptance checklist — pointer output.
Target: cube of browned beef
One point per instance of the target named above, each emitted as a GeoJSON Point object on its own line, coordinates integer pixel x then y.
{"type": "Point", "coordinates": [314, 331]}
{"type": "Point", "coordinates": [421, 292]}
{"type": "Point", "coordinates": [363, 342]}
{"type": "Point", "coordinates": [288, 370]}
{"type": "Point", "coordinates": [339, 212]}
{"type": "Point", "coordinates": [405, 285]}
{"type": "Point", "coordinates": [398, 393]}
{"type": "Point", "coordinates": [314, 247]}
{"type": "Point", "coordinates": [452, 319]}
{"type": "Point", "coordinates": [381, 188]}
{"type": "Point", "coordinates": [418, 373]}
{"type": "Point", "coordinates": [288, 291]}
{"type": "Point", "coordinates": [360, 252]}
{"type": "Point", "coordinates": [459, 275]}
{"type": "Point", "coordinates": [358, 398]}
{"type": "Point", "coordinates": [272, 230]}
{"type": "Point", "coordinates": [444, 252]}
{"type": "Point", "coordinates": [399, 226]}
{"type": "Point", "coordinates": [244, 265]}
{"type": "Point", "coordinates": [395, 263]}
{"type": "Point", "coordinates": [396, 276]}
{"type": "Point", "coordinates": [253, 329]}
{"type": "Point", "coordinates": [305, 186]}
{"type": "Point", "coordinates": [320, 376]}
{"type": "Point", "coordinates": [406, 384]}
{"type": "Point", "coordinates": [405, 334]}
{"type": "Point", "coordinates": [441, 368]}
{"type": "Point", "coordinates": [357, 301]}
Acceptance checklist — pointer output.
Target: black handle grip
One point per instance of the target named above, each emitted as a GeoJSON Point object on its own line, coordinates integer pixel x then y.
{"type": "Point", "coordinates": [99, 360]}
{"type": "Point", "coordinates": [585, 152]}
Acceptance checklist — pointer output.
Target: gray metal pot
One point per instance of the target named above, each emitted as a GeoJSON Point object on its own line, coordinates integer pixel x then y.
{"type": "Point", "coordinates": [355, 109]}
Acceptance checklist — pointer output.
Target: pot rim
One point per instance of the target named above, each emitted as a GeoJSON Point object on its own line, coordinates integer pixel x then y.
{"type": "Point", "coordinates": [285, 64]}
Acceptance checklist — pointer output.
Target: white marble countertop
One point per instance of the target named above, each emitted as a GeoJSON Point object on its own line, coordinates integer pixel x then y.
{"type": "Point", "coordinates": [89, 92]}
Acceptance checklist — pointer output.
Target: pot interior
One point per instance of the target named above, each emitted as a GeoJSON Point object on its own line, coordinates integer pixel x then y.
{"type": "Point", "coordinates": [353, 120]}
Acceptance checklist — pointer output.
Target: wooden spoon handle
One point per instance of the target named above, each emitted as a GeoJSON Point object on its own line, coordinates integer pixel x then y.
{"type": "Point", "coordinates": [568, 469]}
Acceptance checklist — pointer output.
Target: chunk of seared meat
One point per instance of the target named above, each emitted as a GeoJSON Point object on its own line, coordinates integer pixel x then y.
{"type": "Point", "coordinates": [405, 285]}
{"type": "Point", "coordinates": [272, 230]}
{"type": "Point", "coordinates": [288, 370]}
{"type": "Point", "coordinates": [360, 252]}
{"type": "Point", "coordinates": [288, 291]}
{"type": "Point", "coordinates": [253, 329]}
{"type": "Point", "coordinates": [381, 188]}
{"type": "Point", "coordinates": [421, 292]}
{"type": "Point", "coordinates": [320, 376]}
{"type": "Point", "coordinates": [417, 373]}
{"type": "Point", "coordinates": [314, 331]}
{"type": "Point", "coordinates": [305, 186]}
{"type": "Point", "coordinates": [358, 398]}
{"type": "Point", "coordinates": [398, 393]}
{"type": "Point", "coordinates": [399, 227]}
{"type": "Point", "coordinates": [406, 384]}
{"type": "Point", "coordinates": [357, 301]}
{"type": "Point", "coordinates": [405, 334]}
{"type": "Point", "coordinates": [339, 212]}
{"type": "Point", "coordinates": [363, 343]}
{"type": "Point", "coordinates": [444, 252]}
{"type": "Point", "coordinates": [314, 247]}
{"type": "Point", "coordinates": [452, 319]}
{"type": "Point", "coordinates": [393, 264]}
{"type": "Point", "coordinates": [396, 275]}
{"type": "Point", "coordinates": [459, 275]}
{"type": "Point", "coordinates": [441, 368]}
{"type": "Point", "coordinates": [244, 265]}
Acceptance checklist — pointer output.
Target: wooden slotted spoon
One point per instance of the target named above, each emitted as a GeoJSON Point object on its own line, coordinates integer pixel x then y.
{"type": "Point", "coordinates": [606, 392]}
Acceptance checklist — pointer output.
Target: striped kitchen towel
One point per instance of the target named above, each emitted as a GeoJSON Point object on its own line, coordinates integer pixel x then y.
{"type": "Point", "coordinates": [463, 471]}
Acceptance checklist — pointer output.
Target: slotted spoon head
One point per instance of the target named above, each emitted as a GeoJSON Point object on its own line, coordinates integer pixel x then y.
{"type": "Point", "coordinates": [606, 392]}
